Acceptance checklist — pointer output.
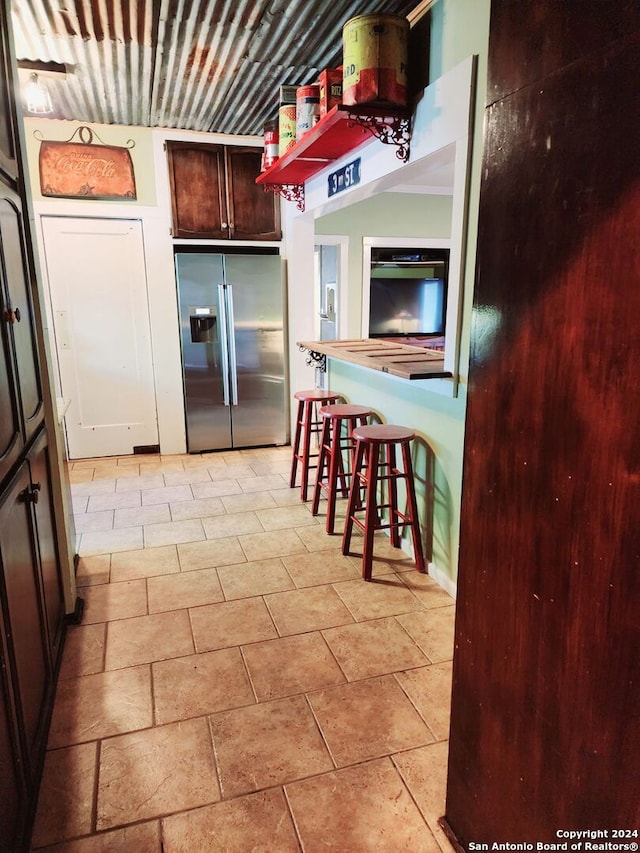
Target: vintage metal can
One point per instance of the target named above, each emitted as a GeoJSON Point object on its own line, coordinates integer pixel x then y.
{"type": "Point", "coordinates": [271, 143]}
{"type": "Point", "coordinates": [307, 108]}
{"type": "Point", "coordinates": [375, 55]}
{"type": "Point", "coordinates": [286, 128]}
{"type": "Point", "coordinates": [330, 81]}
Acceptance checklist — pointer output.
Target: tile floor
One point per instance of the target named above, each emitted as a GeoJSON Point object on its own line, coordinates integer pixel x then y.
{"type": "Point", "coordinates": [234, 684]}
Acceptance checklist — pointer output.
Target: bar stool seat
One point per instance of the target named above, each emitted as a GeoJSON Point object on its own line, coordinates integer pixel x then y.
{"type": "Point", "coordinates": [370, 471]}
{"type": "Point", "coordinates": [307, 424]}
{"type": "Point", "coordinates": [331, 473]}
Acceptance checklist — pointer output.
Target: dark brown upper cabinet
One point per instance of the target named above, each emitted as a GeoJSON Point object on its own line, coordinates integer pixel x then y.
{"type": "Point", "coordinates": [214, 194]}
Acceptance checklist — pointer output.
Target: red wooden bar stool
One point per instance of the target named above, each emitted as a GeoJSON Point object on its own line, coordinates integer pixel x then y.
{"type": "Point", "coordinates": [306, 425]}
{"type": "Point", "coordinates": [369, 471]}
{"type": "Point", "coordinates": [332, 446]}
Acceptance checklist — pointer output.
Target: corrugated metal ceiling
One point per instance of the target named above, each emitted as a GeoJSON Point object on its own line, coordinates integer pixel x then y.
{"type": "Point", "coordinates": [212, 65]}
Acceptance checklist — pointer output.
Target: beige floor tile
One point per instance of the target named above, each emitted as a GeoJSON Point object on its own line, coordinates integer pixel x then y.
{"type": "Point", "coordinates": [83, 650]}
{"type": "Point", "coordinates": [153, 772]}
{"type": "Point", "coordinates": [79, 505]}
{"type": "Point", "coordinates": [367, 719]}
{"type": "Point", "coordinates": [373, 648]}
{"type": "Point", "coordinates": [201, 508]}
{"type": "Point", "coordinates": [166, 494]}
{"type": "Point", "coordinates": [426, 590]}
{"type": "Point", "coordinates": [263, 483]}
{"type": "Point", "coordinates": [186, 589]}
{"type": "Point", "coordinates": [316, 539]}
{"type": "Point", "coordinates": [287, 516]}
{"type": "Point", "coordinates": [285, 497]}
{"type": "Point", "coordinates": [65, 802]}
{"type": "Point", "coordinates": [359, 810]}
{"type": "Point", "coordinates": [257, 822]}
{"type": "Point", "coordinates": [209, 554]}
{"type": "Point", "coordinates": [433, 631]}
{"type": "Point", "coordinates": [98, 706]}
{"type": "Point", "coordinates": [90, 521]}
{"type": "Point", "coordinates": [93, 570]}
{"type": "Point", "coordinates": [113, 500]}
{"type": "Point", "coordinates": [429, 688]}
{"type": "Point", "coordinates": [142, 515]}
{"type": "Point", "coordinates": [272, 466]}
{"type": "Point", "coordinates": [248, 502]}
{"type": "Point", "coordinates": [81, 476]}
{"type": "Point", "coordinates": [256, 578]}
{"type": "Point", "coordinates": [217, 489]}
{"type": "Point", "coordinates": [231, 525]}
{"type": "Point", "coordinates": [264, 745]}
{"type": "Point", "coordinates": [114, 601]}
{"type": "Point", "coordinates": [320, 567]}
{"type": "Point", "coordinates": [291, 665]}
{"type": "Point", "coordinates": [148, 481]}
{"type": "Point", "coordinates": [146, 562]}
{"type": "Point", "coordinates": [141, 838]}
{"type": "Point", "coordinates": [162, 466]}
{"type": "Point", "coordinates": [148, 638]}
{"type": "Point", "coordinates": [273, 543]}
{"type": "Point", "coordinates": [186, 478]}
{"type": "Point", "coordinates": [382, 596]}
{"type": "Point", "coordinates": [231, 623]}
{"type": "Point", "coordinates": [109, 541]}
{"type": "Point", "coordinates": [173, 533]}
{"type": "Point", "coordinates": [233, 469]}
{"type": "Point", "coordinates": [424, 771]}
{"type": "Point", "coordinates": [93, 488]}
{"type": "Point", "coordinates": [310, 609]}
{"type": "Point", "coordinates": [200, 684]}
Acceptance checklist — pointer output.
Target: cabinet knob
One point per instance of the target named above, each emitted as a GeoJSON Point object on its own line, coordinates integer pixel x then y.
{"type": "Point", "coordinates": [18, 316]}
{"type": "Point", "coordinates": [9, 316]}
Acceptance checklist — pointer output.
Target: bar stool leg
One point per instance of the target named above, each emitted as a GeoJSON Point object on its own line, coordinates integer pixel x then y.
{"type": "Point", "coordinates": [394, 529]}
{"type": "Point", "coordinates": [370, 509]}
{"type": "Point", "coordinates": [306, 450]}
{"type": "Point", "coordinates": [413, 510]}
{"type": "Point", "coordinates": [354, 496]}
{"type": "Point", "coordinates": [296, 445]}
{"type": "Point", "coordinates": [322, 464]}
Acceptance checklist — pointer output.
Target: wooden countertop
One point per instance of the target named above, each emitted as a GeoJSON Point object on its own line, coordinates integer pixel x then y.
{"type": "Point", "coordinates": [403, 360]}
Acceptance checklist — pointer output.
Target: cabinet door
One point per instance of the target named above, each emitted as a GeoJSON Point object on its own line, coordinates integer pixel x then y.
{"type": "Point", "coordinates": [19, 319]}
{"type": "Point", "coordinates": [51, 582]}
{"type": "Point", "coordinates": [11, 440]}
{"type": "Point", "coordinates": [12, 783]}
{"type": "Point", "coordinates": [26, 642]}
{"type": "Point", "coordinates": [198, 201]}
{"type": "Point", "coordinates": [254, 214]}
{"type": "Point", "coordinates": [8, 161]}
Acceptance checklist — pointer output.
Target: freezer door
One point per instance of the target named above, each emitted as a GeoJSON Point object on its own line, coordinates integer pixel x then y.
{"type": "Point", "coordinates": [256, 288]}
{"type": "Point", "coordinates": [205, 359]}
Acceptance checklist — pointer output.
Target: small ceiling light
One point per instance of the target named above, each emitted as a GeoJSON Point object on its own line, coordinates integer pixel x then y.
{"type": "Point", "coordinates": [37, 97]}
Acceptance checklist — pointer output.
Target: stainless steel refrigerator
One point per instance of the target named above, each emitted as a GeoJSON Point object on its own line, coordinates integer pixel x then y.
{"type": "Point", "coordinates": [233, 342]}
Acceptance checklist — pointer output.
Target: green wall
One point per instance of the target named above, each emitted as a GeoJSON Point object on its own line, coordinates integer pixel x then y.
{"type": "Point", "coordinates": [459, 28]}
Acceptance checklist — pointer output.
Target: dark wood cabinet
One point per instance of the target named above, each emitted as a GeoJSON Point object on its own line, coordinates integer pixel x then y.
{"type": "Point", "coordinates": [8, 143]}
{"type": "Point", "coordinates": [21, 407]}
{"type": "Point", "coordinates": [32, 621]}
{"type": "Point", "coordinates": [214, 194]}
{"type": "Point", "coordinates": [31, 597]}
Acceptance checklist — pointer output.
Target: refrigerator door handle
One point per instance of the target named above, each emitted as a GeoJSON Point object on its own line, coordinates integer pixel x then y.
{"type": "Point", "coordinates": [224, 343]}
{"type": "Point", "coordinates": [232, 346]}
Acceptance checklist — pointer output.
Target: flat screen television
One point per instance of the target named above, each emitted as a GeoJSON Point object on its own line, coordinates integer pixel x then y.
{"type": "Point", "coordinates": [408, 292]}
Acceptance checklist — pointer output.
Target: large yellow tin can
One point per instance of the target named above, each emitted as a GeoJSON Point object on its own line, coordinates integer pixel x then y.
{"type": "Point", "coordinates": [375, 56]}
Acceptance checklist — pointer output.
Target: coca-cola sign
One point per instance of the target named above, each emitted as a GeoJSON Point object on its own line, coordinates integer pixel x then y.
{"type": "Point", "coordinates": [86, 170]}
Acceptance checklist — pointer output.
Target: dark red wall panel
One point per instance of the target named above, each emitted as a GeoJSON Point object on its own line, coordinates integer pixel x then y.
{"type": "Point", "coordinates": [545, 722]}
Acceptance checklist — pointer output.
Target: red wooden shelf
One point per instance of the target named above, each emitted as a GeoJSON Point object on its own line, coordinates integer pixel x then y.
{"type": "Point", "coordinates": [341, 130]}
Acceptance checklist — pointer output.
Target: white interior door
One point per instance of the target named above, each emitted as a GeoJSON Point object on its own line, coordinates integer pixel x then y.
{"type": "Point", "coordinates": [98, 286]}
